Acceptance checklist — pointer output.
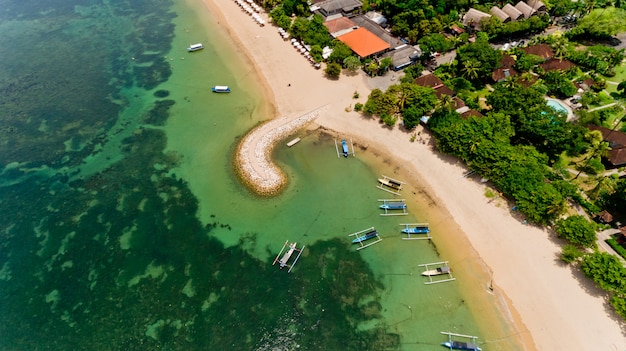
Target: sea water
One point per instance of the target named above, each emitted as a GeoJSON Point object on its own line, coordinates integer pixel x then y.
{"type": "Point", "coordinates": [124, 227]}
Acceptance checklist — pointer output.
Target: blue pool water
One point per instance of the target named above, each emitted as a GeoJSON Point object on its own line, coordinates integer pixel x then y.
{"type": "Point", "coordinates": [557, 106]}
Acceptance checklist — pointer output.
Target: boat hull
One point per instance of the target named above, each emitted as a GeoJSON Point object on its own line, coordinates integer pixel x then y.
{"type": "Point", "coordinates": [344, 147]}
{"type": "Point", "coordinates": [457, 345]}
{"type": "Point", "coordinates": [416, 230]}
{"type": "Point", "coordinates": [365, 237]}
{"type": "Point", "coordinates": [220, 89]}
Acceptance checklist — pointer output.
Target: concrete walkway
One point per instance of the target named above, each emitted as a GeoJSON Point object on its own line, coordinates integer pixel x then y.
{"type": "Point", "coordinates": [602, 107]}
{"type": "Point", "coordinates": [602, 237]}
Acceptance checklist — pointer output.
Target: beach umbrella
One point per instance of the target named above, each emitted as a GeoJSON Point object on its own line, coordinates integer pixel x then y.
{"type": "Point", "coordinates": [293, 40]}
{"type": "Point", "coordinates": [302, 50]}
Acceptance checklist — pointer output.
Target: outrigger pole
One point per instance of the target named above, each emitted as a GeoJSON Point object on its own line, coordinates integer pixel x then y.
{"type": "Point", "coordinates": [390, 185]}
{"type": "Point", "coordinates": [285, 259]}
{"type": "Point", "coordinates": [364, 235]}
{"type": "Point", "coordinates": [445, 270]}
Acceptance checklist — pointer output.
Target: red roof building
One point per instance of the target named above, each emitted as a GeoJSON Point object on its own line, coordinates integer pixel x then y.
{"type": "Point", "coordinates": [339, 26]}
{"type": "Point", "coordinates": [542, 50]}
{"type": "Point", "coordinates": [363, 42]}
{"type": "Point", "coordinates": [617, 143]}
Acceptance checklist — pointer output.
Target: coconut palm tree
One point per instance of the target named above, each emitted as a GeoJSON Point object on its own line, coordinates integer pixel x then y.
{"type": "Point", "coordinates": [445, 103]}
{"type": "Point", "coordinates": [471, 69]}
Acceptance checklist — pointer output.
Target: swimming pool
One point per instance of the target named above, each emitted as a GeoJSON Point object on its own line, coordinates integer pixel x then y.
{"type": "Point", "coordinates": [557, 106]}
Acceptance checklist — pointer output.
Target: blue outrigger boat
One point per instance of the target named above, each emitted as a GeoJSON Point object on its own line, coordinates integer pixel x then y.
{"type": "Point", "coordinates": [393, 205]}
{"type": "Point", "coordinates": [416, 230]}
{"type": "Point", "coordinates": [398, 205]}
{"type": "Point", "coordinates": [461, 345]}
{"type": "Point", "coordinates": [366, 236]}
{"type": "Point", "coordinates": [344, 147]}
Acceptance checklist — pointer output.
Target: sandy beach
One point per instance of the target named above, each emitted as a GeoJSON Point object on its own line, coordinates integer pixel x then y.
{"type": "Point", "coordinates": [552, 305]}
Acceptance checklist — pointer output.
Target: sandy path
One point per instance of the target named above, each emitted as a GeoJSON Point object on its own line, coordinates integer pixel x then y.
{"type": "Point", "coordinates": [558, 309]}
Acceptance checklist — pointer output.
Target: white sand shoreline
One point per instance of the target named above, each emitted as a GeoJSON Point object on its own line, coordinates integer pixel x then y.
{"type": "Point", "coordinates": [549, 302]}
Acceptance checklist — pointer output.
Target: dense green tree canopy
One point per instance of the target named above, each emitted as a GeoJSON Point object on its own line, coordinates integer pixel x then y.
{"type": "Point", "coordinates": [605, 270]}
{"type": "Point", "coordinates": [577, 230]}
{"type": "Point", "coordinates": [476, 61]}
{"type": "Point", "coordinates": [603, 22]}
{"type": "Point", "coordinates": [333, 70]}
{"type": "Point", "coordinates": [535, 123]}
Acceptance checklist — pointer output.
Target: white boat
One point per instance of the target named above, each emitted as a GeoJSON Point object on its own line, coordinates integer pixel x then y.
{"type": "Point", "coordinates": [221, 89]}
{"type": "Point", "coordinates": [437, 271]}
{"type": "Point", "coordinates": [195, 47]}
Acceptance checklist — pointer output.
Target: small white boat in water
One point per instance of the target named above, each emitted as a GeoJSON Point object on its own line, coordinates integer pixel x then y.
{"type": "Point", "coordinates": [195, 47]}
{"type": "Point", "coordinates": [221, 89]}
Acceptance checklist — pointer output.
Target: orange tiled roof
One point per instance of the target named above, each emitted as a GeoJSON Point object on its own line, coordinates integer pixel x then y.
{"type": "Point", "coordinates": [363, 42]}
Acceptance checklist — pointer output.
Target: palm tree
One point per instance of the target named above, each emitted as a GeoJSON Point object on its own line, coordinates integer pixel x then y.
{"type": "Point", "coordinates": [605, 185]}
{"type": "Point", "coordinates": [471, 69]}
{"type": "Point", "coordinates": [560, 48]}
{"type": "Point", "coordinates": [445, 103]}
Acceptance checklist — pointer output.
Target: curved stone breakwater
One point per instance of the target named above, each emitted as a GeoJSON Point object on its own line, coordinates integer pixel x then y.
{"type": "Point", "coordinates": [253, 162]}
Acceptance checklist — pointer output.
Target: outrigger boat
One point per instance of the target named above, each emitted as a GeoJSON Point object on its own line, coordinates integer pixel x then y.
{"type": "Point", "coordinates": [368, 235]}
{"type": "Point", "coordinates": [393, 205]}
{"type": "Point", "coordinates": [365, 235]}
{"type": "Point", "coordinates": [284, 261]}
{"type": "Point", "coordinates": [419, 230]}
{"type": "Point", "coordinates": [390, 185]}
{"type": "Point", "coordinates": [344, 147]}
{"type": "Point", "coordinates": [460, 345]}
{"type": "Point", "coordinates": [437, 271]}
{"type": "Point", "coordinates": [423, 229]}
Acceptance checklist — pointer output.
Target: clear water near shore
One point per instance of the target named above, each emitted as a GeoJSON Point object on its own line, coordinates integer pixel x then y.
{"type": "Point", "coordinates": [124, 228]}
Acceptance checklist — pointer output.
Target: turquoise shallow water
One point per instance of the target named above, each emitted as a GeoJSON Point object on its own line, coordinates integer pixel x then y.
{"type": "Point", "coordinates": [124, 227]}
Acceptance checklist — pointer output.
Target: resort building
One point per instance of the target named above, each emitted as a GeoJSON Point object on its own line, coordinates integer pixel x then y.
{"type": "Point", "coordinates": [617, 141]}
{"type": "Point", "coordinates": [513, 12]}
{"type": "Point", "coordinates": [525, 9]}
{"type": "Point", "coordinates": [331, 7]}
{"type": "Point", "coordinates": [364, 43]}
{"type": "Point", "coordinates": [473, 17]}
{"type": "Point", "coordinates": [557, 65]}
{"type": "Point", "coordinates": [432, 81]}
{"type": "Point", "coordinates": [505, 70]}
{"type": "Point", "coordinates": [367, 23]}
{"type": "Point", "coordinates": [403, 56]}
{"type": "Point", "coordinates": [340, 26]}
{"type": "Point", "coordinates": [542, 50]}
{"type": "Point", "coordinates": [537, 5]}
{"type": "Point", "coordinates": [500, 14]}
{"type": "Point", "coordinates": [377, 18]}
